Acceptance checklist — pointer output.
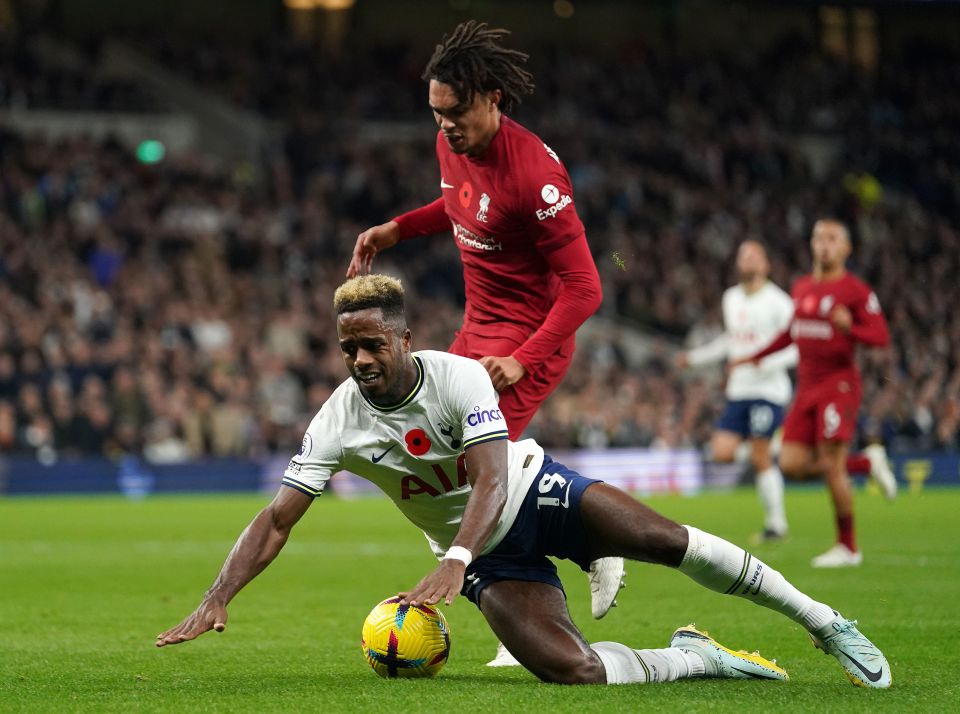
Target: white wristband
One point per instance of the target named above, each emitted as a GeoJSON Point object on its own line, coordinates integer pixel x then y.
{"type": "Point", "coordinates": [458, 552]}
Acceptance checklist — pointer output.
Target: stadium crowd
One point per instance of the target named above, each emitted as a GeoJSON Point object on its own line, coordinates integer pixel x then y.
{"type": "Point", "coordinates": [180, 310]}
{"type": "Point", "coordinates": [36, 74]}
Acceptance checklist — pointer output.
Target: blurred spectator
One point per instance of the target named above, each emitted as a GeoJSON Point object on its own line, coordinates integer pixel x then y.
{"type": "Point", "coordinates": [177, 309]}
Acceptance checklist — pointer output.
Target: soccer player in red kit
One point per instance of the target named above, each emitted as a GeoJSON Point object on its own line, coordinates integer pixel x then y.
{"type": "Point", "coordinates": [833, 312]}
{"type": "Point", "coordinates": [529, 277]}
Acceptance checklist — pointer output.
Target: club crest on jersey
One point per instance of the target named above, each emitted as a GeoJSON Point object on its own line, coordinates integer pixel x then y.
{"type": "Point", "coordinates": [417, 442]}
{"type": "Point", "coordinates": [447, 431]}
{"type": "Point", "coordinates": [484, 205]}
{"type": "Point", "coordinates": [826, 304]}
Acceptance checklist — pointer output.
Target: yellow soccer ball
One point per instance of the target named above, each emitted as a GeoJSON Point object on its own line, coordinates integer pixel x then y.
{"type": "Point", "coordinates": [405, 640]}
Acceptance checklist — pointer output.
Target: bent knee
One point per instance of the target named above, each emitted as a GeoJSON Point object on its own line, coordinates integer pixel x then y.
{"type": "Point", "coordinates": [724, 456]}
{"type": "Point", "coordinates": [724, 447]}
{"type": "Point", "coordinates": [582, 670]}
{"type": "Point", "coordinates": [798, 468]}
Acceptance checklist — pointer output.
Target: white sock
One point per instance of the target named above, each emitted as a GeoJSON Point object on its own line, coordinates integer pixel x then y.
{"type": "Point", "coordinates": [770, 490]}
{"type": "Point", "coordinates": [629, 666]}
{"type": "Point", "coordinates": [726, 568]}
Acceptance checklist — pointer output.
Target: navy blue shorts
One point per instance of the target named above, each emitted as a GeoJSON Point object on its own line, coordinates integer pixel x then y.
{"type": "Point", "coordinates": [548, 523]}
{"type": "Point", "coordinates": [751, 418]}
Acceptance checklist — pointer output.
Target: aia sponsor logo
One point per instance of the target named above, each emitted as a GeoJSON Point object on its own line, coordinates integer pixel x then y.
{"type": "Point", "coordinates": [435, 484]}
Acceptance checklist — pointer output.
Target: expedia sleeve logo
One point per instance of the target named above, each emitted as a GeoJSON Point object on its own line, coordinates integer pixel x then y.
{"type": "Point", "coordinates": [551, 194]}
{"type": "Point", "coordinates": [479, 416]}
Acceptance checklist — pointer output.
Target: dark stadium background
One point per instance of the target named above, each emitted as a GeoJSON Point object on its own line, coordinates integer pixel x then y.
{"type": "Point", "coordinates": [182, 185]}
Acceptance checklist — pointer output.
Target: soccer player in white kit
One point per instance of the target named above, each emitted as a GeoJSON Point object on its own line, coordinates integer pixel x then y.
{"type": "Point", "coordinates": [425, 427]}
{"type": "Point", "coordinates": [755, 311]}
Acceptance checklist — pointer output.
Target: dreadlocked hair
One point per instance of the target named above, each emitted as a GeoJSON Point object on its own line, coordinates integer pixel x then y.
{"type": "Point", "coordinates": [470, 59]}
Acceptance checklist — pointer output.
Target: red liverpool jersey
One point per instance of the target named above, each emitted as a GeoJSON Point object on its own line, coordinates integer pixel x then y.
{"type": "Point", "coordinates": [825, 351]}
{"type": "Point", "coordinates": [508, 209]}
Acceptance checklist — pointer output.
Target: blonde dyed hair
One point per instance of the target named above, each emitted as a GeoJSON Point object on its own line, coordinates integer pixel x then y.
{"type": "Point", "coordinates": [365, 292]}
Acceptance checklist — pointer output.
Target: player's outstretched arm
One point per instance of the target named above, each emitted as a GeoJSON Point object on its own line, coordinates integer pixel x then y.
{"type": "Point", "coordinates": [781, 342]}
{"type": "Point", "coordinates": [369, 243]}
{"type": "Point", "coordinates": [254, 550]}
{"type": "Point", "coordinates": [487, 472]}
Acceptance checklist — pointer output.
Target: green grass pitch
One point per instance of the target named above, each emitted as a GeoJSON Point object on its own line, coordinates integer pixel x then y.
{"type": "Point", "coordinates": [86, 584]}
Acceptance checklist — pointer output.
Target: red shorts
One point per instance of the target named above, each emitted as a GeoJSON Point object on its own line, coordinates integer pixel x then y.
{"type": "Point", "coordinates": [519, 401]}
{"type": "Point", "coordinates": [824, 412]}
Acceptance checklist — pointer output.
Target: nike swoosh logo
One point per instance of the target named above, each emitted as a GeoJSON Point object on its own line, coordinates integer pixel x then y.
{"type": "Point", "coordinates": [444, 184]}
{"type": "Point", "coordinates": [376, 459]}
{"type": "Point", "coordinates": [872, 676]}
{"type": "Point", "coordinates": [753, 675]}
{"type": "Point", "coordinates": [758, 584]}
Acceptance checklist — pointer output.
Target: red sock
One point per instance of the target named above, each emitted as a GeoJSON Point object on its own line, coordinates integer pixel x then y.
{"type": "Point", "coordinates": [858, 464]}
{"type": "Point", "coordinates": [845, 532]}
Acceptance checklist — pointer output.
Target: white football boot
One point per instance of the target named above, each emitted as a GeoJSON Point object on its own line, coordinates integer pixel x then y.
{"type": "Point", "coordinates": [880, 470]}
{"type": "Point", "coordinates": [503, 658]}
{"type": "Point", "coordinates": [862, 660]}
{"type": "Point", "coordinates": [606, 579]}
{"type": "Point", "coordinates": [839, 556]}
{"type": "Point", "coordinates": [722, 662]}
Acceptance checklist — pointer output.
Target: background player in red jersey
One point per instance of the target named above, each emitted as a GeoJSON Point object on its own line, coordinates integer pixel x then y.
{"type": "Point", "coordinates": [833, 311]}
{"type": "Point", "coordinates": [529, 277]}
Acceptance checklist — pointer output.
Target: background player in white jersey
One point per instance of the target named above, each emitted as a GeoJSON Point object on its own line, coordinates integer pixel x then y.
{"type": "Point", "coordinates": [755, 311]}
{"type": "Point", "coordinates": [425, 427]}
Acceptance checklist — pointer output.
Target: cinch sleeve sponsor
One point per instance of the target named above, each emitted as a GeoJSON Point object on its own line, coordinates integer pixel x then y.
{"type": "Point", "coordinates": [476, 404]}
{"type": "Point", "coordinates": [319, 457]}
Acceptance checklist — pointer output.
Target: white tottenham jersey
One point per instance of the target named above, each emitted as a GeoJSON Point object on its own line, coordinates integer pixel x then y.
{"type": "Point", "coordinates": [414, 451]}
{"type": "Point", "coordinates": [751, 322]}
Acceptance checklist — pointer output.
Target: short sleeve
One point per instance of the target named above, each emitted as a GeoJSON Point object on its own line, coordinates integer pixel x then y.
{"type": "Point", "coordinates": [320, 455]}
{"type": "Point", "coordinates": [546, 199]}
{"type": "Point", "coordinates": [474, 402]}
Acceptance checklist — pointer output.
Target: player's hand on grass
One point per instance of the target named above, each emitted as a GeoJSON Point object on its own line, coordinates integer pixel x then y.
{"type": "Point", "coordinates": [503, 371]}
{"type": "Point", "coordinates": [841, 318]}
{"type": "Point", "coordinates": [208, 616]}
{"type": "Point", "coordinates": [369, 243]}
{"type": "Point", "coordinates": [444, 583]}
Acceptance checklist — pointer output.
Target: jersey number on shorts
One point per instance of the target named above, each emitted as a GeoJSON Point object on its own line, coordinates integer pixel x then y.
{"type": "Point", "coordinates": [761, 418]}
{"type": "Point", "coordinates": [547, 484]}
{"type": "Point", "coordinates": [831, 421]}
